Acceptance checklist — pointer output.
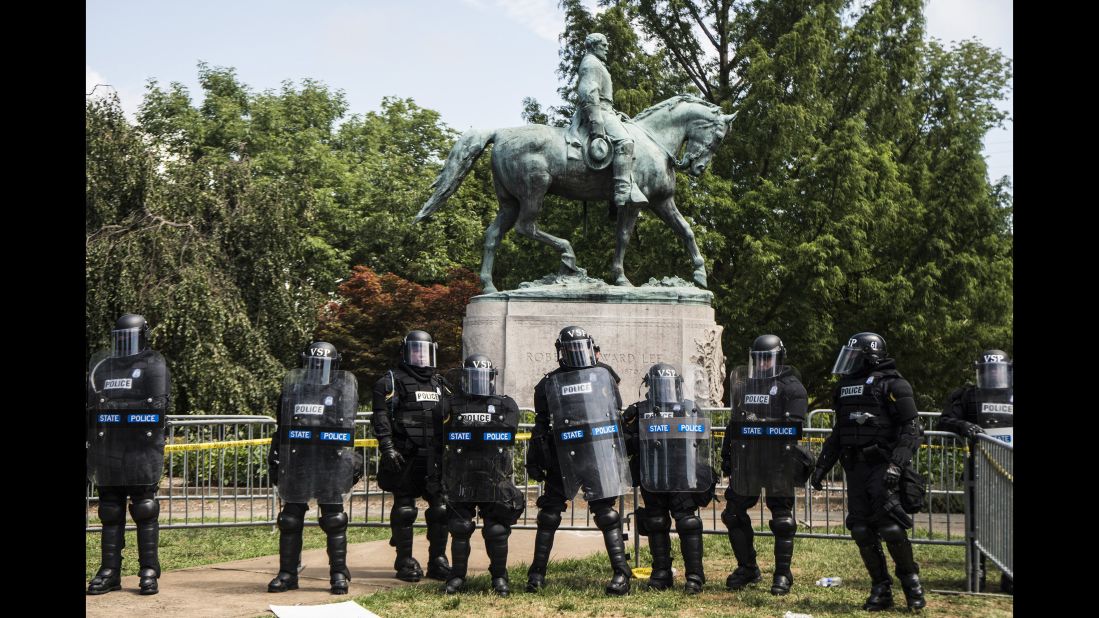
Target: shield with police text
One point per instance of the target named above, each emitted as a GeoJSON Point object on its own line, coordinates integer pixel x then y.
{"type": "Point", "coordinates": [995, 411]}
{"type": "Point", "coordinates": [317, 437]}
{"type": "Point", "coordinates": [675, 442]}
{"type": "Point", "coordinates": [127, 403]}
{"type": "Point", "coordinates": [587, 433]}
{"type": "Point", "coordinates": [477, 457]}
{"type": "Point", "coordinates": [761, 436]}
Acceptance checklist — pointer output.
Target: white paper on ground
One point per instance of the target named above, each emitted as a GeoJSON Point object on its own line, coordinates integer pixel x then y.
{"type": "Point", "coordinates": [347, 609]}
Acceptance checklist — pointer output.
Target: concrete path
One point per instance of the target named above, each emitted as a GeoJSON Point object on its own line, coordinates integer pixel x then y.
{"type": "Point", "coordinates": [239, 589]}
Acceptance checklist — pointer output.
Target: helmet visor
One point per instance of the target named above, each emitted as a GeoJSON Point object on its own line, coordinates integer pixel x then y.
{"type": "Point", "coordinates": [479, 381]}
{"type": "Point", "coordinates": [997, 374]}
{"type": "Point", "coordinates": [125, 342]}
{"type": "Point", "coordinates": [578, 353]}
{"type": "Point", "coordinates": [847, 361]}
{"type": "Point", "coordinates": [762, 364]}
{"type": "Point", "coordinates": [420, 353]}
{"type": "Point", "coordinates": [665, 389]}
{"type": "Point", "coordinates": [318, 370]}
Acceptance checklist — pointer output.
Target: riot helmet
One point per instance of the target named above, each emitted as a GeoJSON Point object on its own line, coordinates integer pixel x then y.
{"type": "Point", "coordinates": [862, 350]}
{"type": "Point", "coordinates": [665, 384]}
{"type": "Point", "coordinates": [418, 349]}
{"type": "Point", "coordinates": [994, 370]}
{"type": "Point", "coordinates": [129, 336]}
{"type": "Point", "coordinates": [575, 347]}
{"type": "Point", "coordinates": [478, 376]}
{"type": "Point", "coordinates": [765, 356]}
{"type": "Point", "coordinates": [320, 359]}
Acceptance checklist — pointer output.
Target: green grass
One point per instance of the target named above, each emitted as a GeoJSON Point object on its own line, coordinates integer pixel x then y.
{"type": "Point", "coordinates": [576, 587]}
{"type": "Point", "coordinates": [187, 548]}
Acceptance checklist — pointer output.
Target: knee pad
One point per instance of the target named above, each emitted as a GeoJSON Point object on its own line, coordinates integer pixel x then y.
{"type": "Point", "coordinates": [333, 522]}
{"type": "Point", "coordinates": [460, 527]}
{"type": "Point", "coordinates": [112, 513]}
{"type": "Point", "coordinates": [891, 532]}
{"type": "Point", "coordinates": [290, 521]}
{"type": "Point", "coordinates": [733, 520]}
{"type": "Point", "coordinates": [493, 530]}
{"type": "Point", "coordinates": [548, 520]}
{"type": "Point", "coordinates": [403, 514]}
{"type": "Point", "coordinates": [863, 535]}
{"type": "Point", "coordinates": [689, 525]}
{"type": "Point", "coordinates": [145, 509]}
{"type": "Point", "coordinates": [783, 526]}
{"type": "Point", "coordinates": [435, 514]}
{"type": "Point", "coordinates": [607, 518]}
{"type": "Point", "coordinates": [656, 521]}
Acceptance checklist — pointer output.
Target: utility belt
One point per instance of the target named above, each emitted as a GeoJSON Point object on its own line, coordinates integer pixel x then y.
{"type": "Point", "coordinates": [872, 454]}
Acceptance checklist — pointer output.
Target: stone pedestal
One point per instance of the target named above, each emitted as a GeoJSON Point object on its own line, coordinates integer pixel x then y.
{"type": "Point", "coordinates": [670, 321]}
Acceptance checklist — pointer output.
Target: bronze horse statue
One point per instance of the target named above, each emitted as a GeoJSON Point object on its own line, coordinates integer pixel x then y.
{"type": "Point", "coordinates": [530, 161]}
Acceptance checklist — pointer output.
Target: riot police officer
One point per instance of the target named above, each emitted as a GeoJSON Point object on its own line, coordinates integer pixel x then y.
{"type": "Point", "coordinates": [668, 439]}
{"type": "Point", "coordinates": [576, 443]}
{"type": "Point", "coordinates": [128, 399]}
{"type": "Point", "coordinates": [767, 392]}
{"type": "Point", "coordinates": [406, 411]}
{"type": "Point", "coordinates": [985, 408]}
{"type": "Point", "coordinates": [313, 456]}
{"type": "Point", "coordinates": [477, 440]}
{"type": "Point", "coordinates": [876, 433]}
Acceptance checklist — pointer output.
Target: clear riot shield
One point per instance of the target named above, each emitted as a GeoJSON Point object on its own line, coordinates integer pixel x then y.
{"type": "Point", "coordinates": [675, 443]}
{"type": "Point", "coordinates": [478, 454]}
{"type": "Point", "coordinates": [317, 437]}
{"type": "Point", "coordinates": [762, 438]}
{"type": "Point", "coordinates": [125, 407]}
{"type": "Point", "coordinates": [587, 433]}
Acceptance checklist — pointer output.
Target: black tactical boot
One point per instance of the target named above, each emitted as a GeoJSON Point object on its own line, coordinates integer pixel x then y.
{"type": "Point", "coordinates": [145, 514]}
{"type": "Point", "coordinates": [109, 576]}
{"type": "Point", "coordinates": [690, 544]}
{"type": "Point", "coordinates": [335, 527]}
{"type": "Point", "coordinates": [742, 540]}
{"type": "Point", "coordinates": [454, 585]}
{"type": "Point", "coordinates": [881, 590]}
{"type": "Point", "coordinates": [496, 545]}
{"type": "Point", "coordinates": [913, 591]}
{"type": "Point", "coordinates": [438, 567]}
{"type": "Point", "coordinates": [900, 548]}
{"type": "Point", "coordinates": [289, 560]}
{"type": "Point", "coordinates": [608, 521]}
{"type": "Point", "coordinates": [548, 521]}
{"type": "Point", "coordinates": [784, 577]}
{"type": "Point", "coordinates": [660, 544]}
{"type": "Point", "coordinates": [500, 585]}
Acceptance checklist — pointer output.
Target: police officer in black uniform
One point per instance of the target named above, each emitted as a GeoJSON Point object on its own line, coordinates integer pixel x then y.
{"type": "Point", "coordinates": [476, 448]}
{"type": "Point", "coordinates": [406, 415]}
{"type": "Point", "coordinates": [876, 433]}
{"type": "Point", "coordinates": [312, 456]}
{"type": "Point", "coordinates": [575, 350]}
{"type": "Point", "coordinates": [985, 408]}
{"type": "Point", "coordinates": [674, 472]}
{"type": "Point", "coordinates": [128, 399]}
{"type": "Point", "coordinates": [770, 392]}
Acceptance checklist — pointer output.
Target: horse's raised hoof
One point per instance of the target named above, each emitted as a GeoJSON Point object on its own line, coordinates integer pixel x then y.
{"type": "Point", "coordinates": [700, 277]}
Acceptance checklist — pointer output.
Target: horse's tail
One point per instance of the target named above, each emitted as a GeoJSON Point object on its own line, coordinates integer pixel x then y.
{"type": "Point", "coordinates": [461, 159]}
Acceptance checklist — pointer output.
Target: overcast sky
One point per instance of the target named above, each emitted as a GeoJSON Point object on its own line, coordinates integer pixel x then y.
{"type": "Point", "coordinates": [471, 60]}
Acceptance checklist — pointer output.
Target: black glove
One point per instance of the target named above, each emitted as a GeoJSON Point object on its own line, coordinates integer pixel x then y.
{"type": "Point", "coordinates": [273, 465]}
{"type": "Point", "coordinates": [360, 468]}
{"type": "Point", "coordinates": [391, 459]}
{"type": "Point", "coordinates": [818, 478]}
{"type": "Point", "coordinates": [972, 430]}
{"type": "Point", "coordinates": [892, 477]}
{"type": "Point", "coordinates": [536, 473]}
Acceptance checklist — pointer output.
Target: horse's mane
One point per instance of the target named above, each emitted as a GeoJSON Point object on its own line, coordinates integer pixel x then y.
{"type": "Point", "coordinates": [672, 102]}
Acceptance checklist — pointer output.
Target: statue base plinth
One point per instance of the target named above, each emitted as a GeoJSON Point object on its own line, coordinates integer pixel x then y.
{"type": "Point", "coordinates": [635, 327]}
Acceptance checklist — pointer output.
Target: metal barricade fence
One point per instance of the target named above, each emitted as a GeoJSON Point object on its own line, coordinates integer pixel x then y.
{"type": "Point", "coordinates": [216, 476]}
{"type": "Point", "coordinates": [992, 525]}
